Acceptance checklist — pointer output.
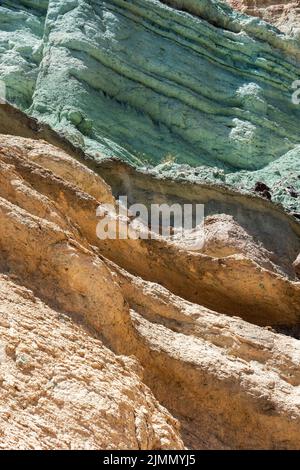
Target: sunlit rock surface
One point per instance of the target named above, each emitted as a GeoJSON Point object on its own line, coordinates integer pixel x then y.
{"type": "Point", "coordinates": [285, 14]}
{"type": "Point", "coordinates": [141, 344]}
{"type": "Point", "coordinates": [191, 82]}
{"type": "Point", "coordinates": [147, 344]}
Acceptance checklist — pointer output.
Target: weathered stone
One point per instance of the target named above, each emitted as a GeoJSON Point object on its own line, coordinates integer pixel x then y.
{"type": "Point", "coordinates": [230, 383]}
{"type": "Point", "coordinates": [151, 81]}
{"type": "Point", "coordinates": [67, 389]}
{"type": "Point", "coordinates": [296, 265]}
{"type": "Point", "coordinates": [285, 14]}
{"type": "Point", "coordinates": [104, 342]}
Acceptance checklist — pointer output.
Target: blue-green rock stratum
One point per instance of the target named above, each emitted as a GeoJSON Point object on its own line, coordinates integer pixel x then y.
{"type": "Point", "coordinates": [166, 84]}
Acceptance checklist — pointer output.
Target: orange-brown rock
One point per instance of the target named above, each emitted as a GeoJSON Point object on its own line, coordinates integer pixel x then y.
{"type": "Point", "coordinates": [62, 388]}
{"type": "Point", "coordinates": [284, 14]}
{"type": "Point", "coordinates": [140, 344]}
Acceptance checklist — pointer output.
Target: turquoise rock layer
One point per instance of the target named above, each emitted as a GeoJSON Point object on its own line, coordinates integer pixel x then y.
{"type": "Point", "coordinates": [170, 85]}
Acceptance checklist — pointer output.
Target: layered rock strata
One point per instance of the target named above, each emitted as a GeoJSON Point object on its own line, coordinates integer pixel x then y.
{"type": "Point", "coordinates": [192, 82]}
{"type": "Point", "coordinates": [225, 382]}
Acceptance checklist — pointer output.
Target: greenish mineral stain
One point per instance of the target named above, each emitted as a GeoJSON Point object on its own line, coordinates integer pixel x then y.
{"type": "Point", "coordinates": [206, 88]}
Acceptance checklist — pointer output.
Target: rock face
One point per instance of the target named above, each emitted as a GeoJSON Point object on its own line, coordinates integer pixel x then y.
{"type": "Point", "coordinates": [296, 265]}
{"type": "Point", "coordinates": [147, 344]}
{"type": "Point", "coordinates": [22, 29]}
{"type": "Point", "coordinates": [61, 388]}
{"type": "Point", "coordinates": [150, 81]}
{"type": "Point", "coordinates": [283, 14]}
{"type": "Point", "coordinates": [92, 330]}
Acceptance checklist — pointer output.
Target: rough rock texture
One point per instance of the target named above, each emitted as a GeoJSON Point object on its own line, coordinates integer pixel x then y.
{"type": "Point", "coordinates": [145, 344]}
{"type": "Point", "coordinates": [61, 388]}
{"type": "Point", "coordinates": [149, 81]}
{"type": "Point", "coordinates": [296, 265]}
{"type": "Point", "coordinates": [283, 14]}
{"type": "Point", "coordinates": [69, 298]}
{"type": "Point", "coordinates": [225, 237]}
{"type": "Point", "coordinates": [21, 32]}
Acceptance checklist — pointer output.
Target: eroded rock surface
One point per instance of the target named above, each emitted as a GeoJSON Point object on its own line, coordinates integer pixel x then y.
{"type": "Point", "coordinates": [284, 14]}
{"type": "Point", "coordinates": [61, 388]}
{"type": "Point", "coordinates": [296, 265]}
{"type": "Point", "coordinates": [135, 316]}
{"type": "Point", "coordinates": [190, 81]}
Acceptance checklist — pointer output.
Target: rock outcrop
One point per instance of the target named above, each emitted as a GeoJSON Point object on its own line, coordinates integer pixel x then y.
{"type": "Point", "coordinates": [283, 14]}
{"type": "Point", "coordinates": [61, 388]}
{"type": "Point", "coordinates": [95, 311]}
{"type": "Point", "coordinates": [149, 81]}
{"type": "Point", "coordinates": [296, 265]}
{"type": "Point", "coordinates": [147, 343]}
